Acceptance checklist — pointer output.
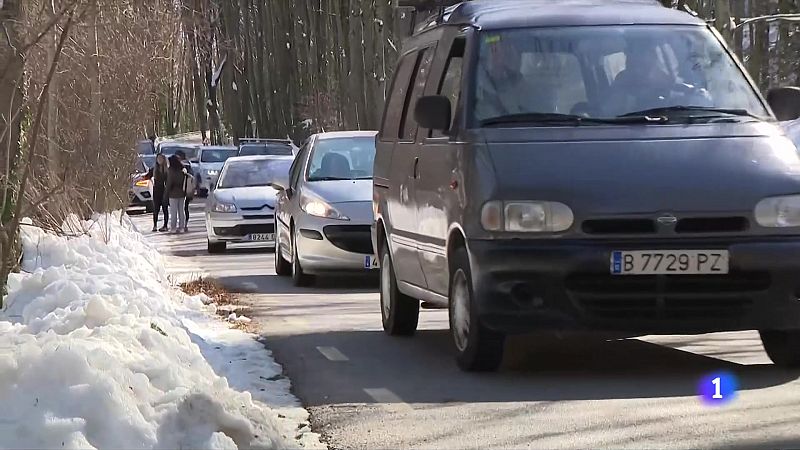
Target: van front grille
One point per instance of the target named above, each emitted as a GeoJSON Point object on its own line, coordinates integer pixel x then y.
{"type": "Point", "coordinates": [619, 226]}
{"type": "Point", "coordinates": [712, 225]}
{"type": "Point", "coordinates": [666, 296]}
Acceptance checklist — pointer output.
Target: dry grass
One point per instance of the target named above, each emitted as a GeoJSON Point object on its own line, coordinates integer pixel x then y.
{"type": "Point", "coordinates": [212, 288]}
{"type": "Point", "coordinates": [226, 301]}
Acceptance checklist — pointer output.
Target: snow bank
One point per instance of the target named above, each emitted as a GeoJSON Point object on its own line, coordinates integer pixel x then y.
{"type": "Point", "coordinates": [95, 353]}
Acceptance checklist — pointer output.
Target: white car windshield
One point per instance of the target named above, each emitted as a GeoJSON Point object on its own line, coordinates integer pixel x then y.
{"type": "Point", "coordinates": [253, 173]}
{"type": "Point", "coordinates": [608, 72]}
{"type": "Point", "coordinates": [342, 159]}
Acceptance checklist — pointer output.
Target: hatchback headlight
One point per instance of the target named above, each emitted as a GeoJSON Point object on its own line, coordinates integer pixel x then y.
{"type": "Point", "coordinates": [779, 212]}
{"type": "Point", "coordinates": [222, 207]}
{"type": "Point", "coordinates": [320, 208]}
{"type": "Point", "coordinates": [526, 217]}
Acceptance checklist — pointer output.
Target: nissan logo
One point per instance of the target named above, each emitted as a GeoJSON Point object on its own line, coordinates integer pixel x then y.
{"type": "Point", "coordinates": [667, 220]}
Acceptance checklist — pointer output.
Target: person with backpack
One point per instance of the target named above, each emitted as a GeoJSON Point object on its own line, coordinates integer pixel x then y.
{"type": "Point", "coordinates": [176, 191]}
{"type": "Point", "coordinates": [191, 185]}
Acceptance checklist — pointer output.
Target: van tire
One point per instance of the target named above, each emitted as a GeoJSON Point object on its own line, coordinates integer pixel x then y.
{"type": "Point", "coordinates": [782, 347]}
{"type": "Point", "coordinates": [478, 348]}
{"type": "Point", "coordinates": [399, 312]}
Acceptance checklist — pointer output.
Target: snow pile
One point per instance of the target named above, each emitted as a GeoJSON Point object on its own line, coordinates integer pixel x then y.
{"type": "Point", "coordinates": [95, 353]}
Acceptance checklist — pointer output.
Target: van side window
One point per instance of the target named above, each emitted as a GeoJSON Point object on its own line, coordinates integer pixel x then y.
{"type": "Point", "coordinates": [408, 126]}
{"type": "Point", "coordinates": [450, 86]}
{"type": "Point", "coordinates": [394, 106]}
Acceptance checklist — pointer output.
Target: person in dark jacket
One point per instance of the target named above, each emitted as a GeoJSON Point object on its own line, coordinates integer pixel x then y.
{"type": "Point", "coordinates": [158, 174]}
{"type": "Point", "coordinates": [189, 195]}
{"type": "Point", "coordinates": [176, 191]}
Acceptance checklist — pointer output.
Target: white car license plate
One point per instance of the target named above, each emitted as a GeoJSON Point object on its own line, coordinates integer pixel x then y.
{"type": "Point", "coordinates": [262, 237]}
{"type": "Point", "coordinates": [371, 262]}
{"type": "Point", "coordinates": [670, 262]}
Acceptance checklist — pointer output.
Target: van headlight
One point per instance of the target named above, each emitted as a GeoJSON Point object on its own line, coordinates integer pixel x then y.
{"type": "Point", "coordinates": [779, 212]}
{"type": "Point", "coordinates": [526, 217]}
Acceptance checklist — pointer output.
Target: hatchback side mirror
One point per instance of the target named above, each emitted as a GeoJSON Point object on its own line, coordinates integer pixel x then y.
{"type": "Point", "coordinates": [433, 112]}
{"type": "Point", "coordinates": [280, 183]}
{"type": "Point", "coordinates": [785, 102]}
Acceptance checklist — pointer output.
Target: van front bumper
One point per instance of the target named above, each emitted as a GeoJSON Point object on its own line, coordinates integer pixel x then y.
{"type": "Point", "coordinates": [523, 286]}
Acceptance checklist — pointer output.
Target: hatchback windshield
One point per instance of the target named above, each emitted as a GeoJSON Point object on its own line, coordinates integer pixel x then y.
{"type": "Point", "coordinates": [673, 72]}
{"type": "Point", "coordinates": [169, 150]}
{"type": "Point", "coordinates": [253, 173]}
{"type": "Point", "coordinates": [217, 155]}
{"type": "Point", "coordinates": [265, 149]}
{"type": "Point", "coordinates": [342, 159]}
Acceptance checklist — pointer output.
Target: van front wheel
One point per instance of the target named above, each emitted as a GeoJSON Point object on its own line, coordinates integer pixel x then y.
{"type": "Point", "coordinates": [477, 347]}
{"type": "Point", "coordinates": [782, 347]}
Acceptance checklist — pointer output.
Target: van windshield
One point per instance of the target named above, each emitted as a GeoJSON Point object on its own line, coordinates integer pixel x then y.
{"type": "Point", "coordinates": [608, 72]}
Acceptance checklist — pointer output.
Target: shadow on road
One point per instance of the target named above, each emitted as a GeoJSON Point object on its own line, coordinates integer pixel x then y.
{"type": "Point", "coordinates": [273, 284]}
{"type": "Point", "coordinates": [537, 368]}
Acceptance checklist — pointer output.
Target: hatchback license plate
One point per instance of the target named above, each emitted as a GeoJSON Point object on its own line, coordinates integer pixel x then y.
{"type": "Point", "coordinates": [262, 237]}
{"type": "Point", "coordinates": [670, 262]}
{"type": "Point", "coordinates": [371, 263]}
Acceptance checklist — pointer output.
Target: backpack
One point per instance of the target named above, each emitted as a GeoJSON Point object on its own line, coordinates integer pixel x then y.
{"type": "Point", "coordinates": [189, 185]}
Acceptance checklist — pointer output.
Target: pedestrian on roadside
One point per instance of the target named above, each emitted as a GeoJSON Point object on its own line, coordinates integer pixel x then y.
{"type": "Point", "coordinates": [158, 174]}
{"type": "Point", "coordinates": [176, 191]}
{"type": "Point", "coordinates": [190, 192]}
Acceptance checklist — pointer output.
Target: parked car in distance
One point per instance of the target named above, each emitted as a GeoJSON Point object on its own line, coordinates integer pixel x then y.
{"type": "Point", "coordinates": [599, 165]}
{"type": "Point", "coordinates": [210, 160]}
{"type": "Point", "coordinates": [324, 209]}
{"type": "Point", "coordinates": [140, 193]}
{"type": "Point", "coordinates": [253, 146]}
{"type": "Point", "coordinates": [241, 208]}
{"type": "Point", "coordinates": [145, 147]}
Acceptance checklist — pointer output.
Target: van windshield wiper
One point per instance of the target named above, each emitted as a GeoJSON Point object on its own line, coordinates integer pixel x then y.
{"type": "Point", "coordinates": [329, 179]}
{"type": "Point", "coordinates": [571, 119]}
{"type": "Point", "coordinates": [665, 110]}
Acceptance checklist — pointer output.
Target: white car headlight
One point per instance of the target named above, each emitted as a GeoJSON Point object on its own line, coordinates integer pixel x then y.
{"type": "Point", "coordinates": [212, 172]}
{"type": "Point", "coordinates": [222, 207]}
{"type": "Point", "coordinates": [319, 208]}
{"type": "Point", "coordinates": [526, 217]}
{"type": "Point", "coordinates": [779, 212]}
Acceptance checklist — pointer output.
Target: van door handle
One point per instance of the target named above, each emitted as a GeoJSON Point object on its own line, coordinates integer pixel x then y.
{"type": "Point", "coordinates": [416, 168]}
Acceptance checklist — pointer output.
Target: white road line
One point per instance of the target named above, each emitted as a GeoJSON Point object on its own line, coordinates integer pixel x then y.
{"type": "Point", "coordinates": [389, 399]}
{"type": "Point", "coordinates": [333, 354]}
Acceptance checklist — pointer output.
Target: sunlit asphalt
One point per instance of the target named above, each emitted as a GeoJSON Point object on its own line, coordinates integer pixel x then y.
{"type": "Point", "coordinates": [368, 390]}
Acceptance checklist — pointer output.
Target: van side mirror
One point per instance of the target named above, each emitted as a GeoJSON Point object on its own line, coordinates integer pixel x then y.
{"type": "Point", "coordinates": [433, 112]}
{"type": "Point", "coordinates": [785, 102]}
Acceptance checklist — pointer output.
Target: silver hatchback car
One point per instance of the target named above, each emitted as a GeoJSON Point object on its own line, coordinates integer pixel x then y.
{"type": "Point", "coordinates": [324, 211]}
{"type": "Point", "coordinates": [241, 207]}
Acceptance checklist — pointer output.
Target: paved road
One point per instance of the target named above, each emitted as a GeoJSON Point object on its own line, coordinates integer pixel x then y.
{"type": "Point", "coordinates": [367, 390]}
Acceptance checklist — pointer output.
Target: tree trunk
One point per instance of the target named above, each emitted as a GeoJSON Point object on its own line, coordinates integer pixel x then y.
{"type": "Point", "coordinates": [723, 19]}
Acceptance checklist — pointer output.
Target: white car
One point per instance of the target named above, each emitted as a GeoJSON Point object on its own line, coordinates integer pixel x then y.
{"type": "Point", "coordinates": [241, 208]}
{"type": "Point", "coordinates": [140, 194]}
{"type": "Point", "coordinates": [210, 161]}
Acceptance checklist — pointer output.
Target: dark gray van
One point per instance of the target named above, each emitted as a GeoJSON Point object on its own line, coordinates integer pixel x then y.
{"type": "Point", "coordinates": [597, 165]}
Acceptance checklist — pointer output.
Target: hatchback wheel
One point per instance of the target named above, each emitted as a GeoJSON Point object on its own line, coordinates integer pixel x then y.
{"type": "Point", "coordinates": [782, 347]}
{"type": "Point", "coordinates": [282, 266]}
{"type": "Point", "coordinates": [400, 313]}
{"type": "Point", "coordinates": [299, 277]}
{"type": "Point", "coordinates": [217, 247]}
{"type": "Point", "coordinates": [477, 347]}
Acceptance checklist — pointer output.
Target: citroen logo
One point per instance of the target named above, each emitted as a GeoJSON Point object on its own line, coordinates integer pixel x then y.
{"type": "Point", "coordinates": [667, 220]}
